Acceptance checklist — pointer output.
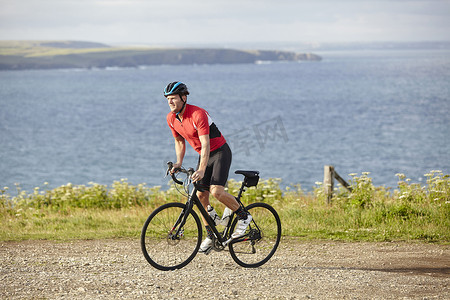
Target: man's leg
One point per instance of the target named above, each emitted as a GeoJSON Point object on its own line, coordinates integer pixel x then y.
{"type": "Point", "coordinates": [245, 218]}
{"type": "Point", "coordinates": [204, 199]}
{"type": "Point", "coordinates": [227, 199]}
{"type": "Point", "coordinates": [207, 243]}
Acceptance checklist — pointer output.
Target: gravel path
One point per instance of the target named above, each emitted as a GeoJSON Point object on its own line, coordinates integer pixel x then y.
{"type": "Point", "coordinates": [111, 269]}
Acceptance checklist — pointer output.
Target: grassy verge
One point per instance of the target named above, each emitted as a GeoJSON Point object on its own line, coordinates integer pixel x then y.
{"type": "Point", "coordinates": [410, 212]}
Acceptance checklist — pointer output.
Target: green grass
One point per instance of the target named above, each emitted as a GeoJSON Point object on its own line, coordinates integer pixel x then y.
{"type": "Point", "coordinates": [410, 212]}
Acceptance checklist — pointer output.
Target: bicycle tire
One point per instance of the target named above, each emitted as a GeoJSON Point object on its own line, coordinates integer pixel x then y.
{"type": "Point", "coordinates": [262, 237]}
{"type": "Point", "coordinates": [162, 251]}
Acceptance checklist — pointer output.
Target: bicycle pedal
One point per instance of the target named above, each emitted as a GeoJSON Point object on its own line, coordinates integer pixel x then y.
{"type": "Point", "coordinates": [207, 251]}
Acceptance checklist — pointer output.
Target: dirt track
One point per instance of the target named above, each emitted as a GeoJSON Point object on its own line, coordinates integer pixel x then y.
{"type": "Point", "coordinates": [111, 269]}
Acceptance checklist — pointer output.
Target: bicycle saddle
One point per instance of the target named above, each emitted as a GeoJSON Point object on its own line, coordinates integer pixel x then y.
{"type": "Point", "coordinates": [247, 173]}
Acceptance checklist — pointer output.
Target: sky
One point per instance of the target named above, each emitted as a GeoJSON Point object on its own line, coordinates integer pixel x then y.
{"type": "Point", "coordinates": [222, 22]}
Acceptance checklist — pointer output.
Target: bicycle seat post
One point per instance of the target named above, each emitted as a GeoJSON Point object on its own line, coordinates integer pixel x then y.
{"type": "Point", "coordinates": [241, 190]}
{"type": "Point", "coordinates": [251, 178]}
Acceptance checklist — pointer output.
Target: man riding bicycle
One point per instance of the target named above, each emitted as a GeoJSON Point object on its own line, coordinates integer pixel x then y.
{"type": "Point", "coordinates": [193, 124]}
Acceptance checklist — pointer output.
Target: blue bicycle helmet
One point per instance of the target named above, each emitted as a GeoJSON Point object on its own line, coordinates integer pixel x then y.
{"type": "Point", "coordinates": [176, 87]}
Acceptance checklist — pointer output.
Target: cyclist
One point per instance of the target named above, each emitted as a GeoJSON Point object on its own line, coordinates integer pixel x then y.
{"type": "Point", "coordinates": [193, 124]}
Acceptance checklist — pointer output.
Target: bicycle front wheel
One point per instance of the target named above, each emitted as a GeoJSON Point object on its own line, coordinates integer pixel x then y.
{"type": "Point", "coordinates": [165, 244]}
{"type": "Point", "coordinates": [261, 239]}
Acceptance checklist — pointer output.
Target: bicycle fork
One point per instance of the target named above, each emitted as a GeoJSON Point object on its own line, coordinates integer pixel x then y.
{"type": "Point", "coordinates": [180, 222]}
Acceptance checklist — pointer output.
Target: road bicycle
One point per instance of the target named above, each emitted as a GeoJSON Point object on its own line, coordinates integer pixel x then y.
{"type": "Point", "coordinates": [172, 234]}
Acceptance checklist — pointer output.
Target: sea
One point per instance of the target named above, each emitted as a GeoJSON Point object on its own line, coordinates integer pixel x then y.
{"type": "Point", "coordinates": [384, 111]}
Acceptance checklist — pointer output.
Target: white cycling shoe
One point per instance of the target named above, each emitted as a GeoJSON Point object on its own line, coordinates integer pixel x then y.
{"type": "Point", "coordinates": [241, 227]}
{"type": "Point", "coordinates": [206, 246]}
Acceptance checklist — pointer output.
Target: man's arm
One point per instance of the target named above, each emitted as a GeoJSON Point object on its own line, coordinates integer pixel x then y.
{"type": "Point", "coordinates": [204, 157]}
{"type": "Point", "coordinates": [180, 150]}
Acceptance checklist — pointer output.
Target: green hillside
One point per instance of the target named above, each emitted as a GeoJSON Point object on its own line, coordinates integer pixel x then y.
{"type": "Point", "coordinates": [21, 55]}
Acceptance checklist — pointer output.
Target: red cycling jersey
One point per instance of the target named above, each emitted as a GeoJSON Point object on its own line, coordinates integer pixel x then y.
{"type": "Point", "coordinates": [196, 122]}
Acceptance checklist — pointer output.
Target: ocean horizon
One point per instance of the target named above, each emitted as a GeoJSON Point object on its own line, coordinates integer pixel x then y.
{"type": "Point", "coordinates": [374, 110]}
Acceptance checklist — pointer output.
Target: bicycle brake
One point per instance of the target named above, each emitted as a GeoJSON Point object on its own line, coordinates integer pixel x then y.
{"type": "Point", "coordinates": [169, 167]}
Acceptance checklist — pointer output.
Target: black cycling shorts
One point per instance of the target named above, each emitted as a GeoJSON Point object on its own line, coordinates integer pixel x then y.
{"type": "Point", "coordinates": [217, 169]}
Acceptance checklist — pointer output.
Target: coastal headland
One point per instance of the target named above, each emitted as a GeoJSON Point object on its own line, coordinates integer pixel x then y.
{"type": "Point", "coordinates": [24, 55]}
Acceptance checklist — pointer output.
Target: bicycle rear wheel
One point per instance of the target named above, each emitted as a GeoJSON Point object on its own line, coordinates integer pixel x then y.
{"type": "Point", "coordinates": [161, 246]}
{"type": "Point", "coordinates": [262, 237]}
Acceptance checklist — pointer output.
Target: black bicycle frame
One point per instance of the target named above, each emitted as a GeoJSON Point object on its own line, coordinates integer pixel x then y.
{"type": "Point", "coordinates": [193, 200]}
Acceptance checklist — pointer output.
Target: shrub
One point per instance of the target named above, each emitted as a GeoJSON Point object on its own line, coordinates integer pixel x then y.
{"type": "Point", "coordinates": [410, 212]}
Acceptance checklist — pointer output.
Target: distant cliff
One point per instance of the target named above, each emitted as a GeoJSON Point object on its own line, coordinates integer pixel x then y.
{"type": "Point", "coordinates": [69, 54]}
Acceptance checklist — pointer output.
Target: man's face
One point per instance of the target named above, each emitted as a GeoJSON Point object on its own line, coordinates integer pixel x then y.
{"type": "Point", "coordinates": [175, 103]}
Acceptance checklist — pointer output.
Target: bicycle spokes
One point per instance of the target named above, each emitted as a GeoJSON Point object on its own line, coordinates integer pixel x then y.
{"type": "Point", "coordinates": [169, 247]}
{"type": "Point", "coordinates": [262, 237]}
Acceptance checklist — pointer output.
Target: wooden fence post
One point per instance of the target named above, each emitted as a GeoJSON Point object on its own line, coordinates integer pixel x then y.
{"type": "Point", "coordinates": [329, 174]}
{"type": "Point", "coordinates": [328, 182]}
